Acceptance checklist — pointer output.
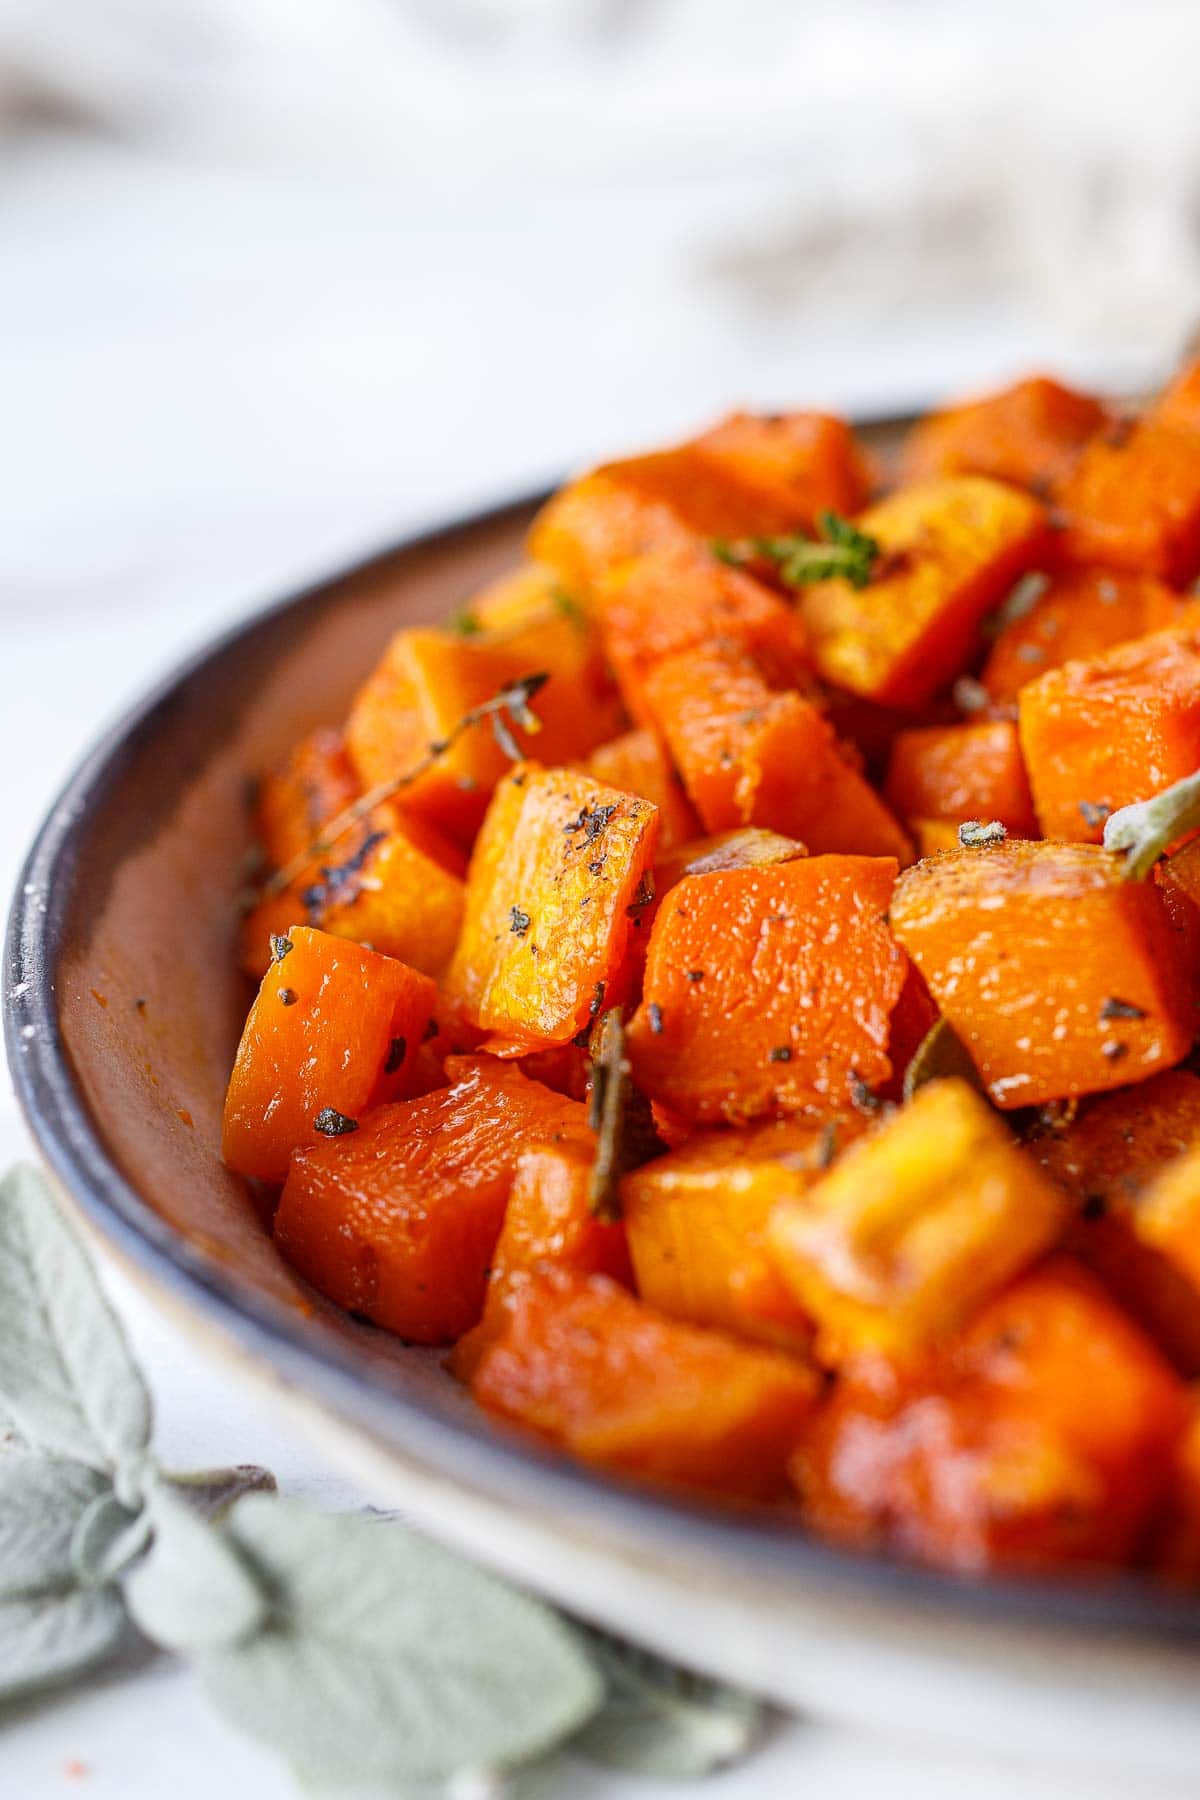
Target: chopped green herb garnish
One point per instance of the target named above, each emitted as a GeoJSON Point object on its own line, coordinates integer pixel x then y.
{"type": "Point", "coordinates": [977, 834]}
{"type": "Point", "coordinates": [288, 996]}
{"type": "Point", "coordinates": [780, 1053]}
{"type": "Point", "coordinates": [280, 947]}
{"type": "Point", "coordinates": [331, 1123]}
{"type": "Point", "coordinates": [840, 550]}
{"type": "Point", "coordinates": [1114, 1008]}
{"type": "Point", "coordinates": [1147, 829]}
{"type": "Point", "coordinates": [518, 921]}
{"type": "Point", "coordinates": [397, 1051]}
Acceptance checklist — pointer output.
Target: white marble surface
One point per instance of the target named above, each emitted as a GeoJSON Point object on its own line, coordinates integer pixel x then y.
{"type": "Point", "coordinates": [217, 378]}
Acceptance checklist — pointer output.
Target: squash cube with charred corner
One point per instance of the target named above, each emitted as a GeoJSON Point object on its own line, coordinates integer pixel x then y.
{"type": "Point", "coordinates": [949, 552]}
{"type": "Point", "coordinates": [1060, 976]}
{"type": "Point", "coordinates": [915, 1227]}
{"type": "Point", "coordinates": [769, 990]}
{"type": "Point", "coordinates": [558, 867]}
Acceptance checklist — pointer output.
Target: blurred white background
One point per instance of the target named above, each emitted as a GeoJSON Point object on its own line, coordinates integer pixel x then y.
{"type": "Point", "coordinates": [281, 277]}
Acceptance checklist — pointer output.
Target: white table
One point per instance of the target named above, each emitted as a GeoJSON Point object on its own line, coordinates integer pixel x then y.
{"type": "Point", "coordinates": [192, 421]}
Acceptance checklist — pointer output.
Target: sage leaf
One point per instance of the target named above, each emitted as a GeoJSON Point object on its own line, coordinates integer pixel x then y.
{"type": "Point", "coordinates": [192, 1591]}
{"type": "Point", "coordinates": [66, 1376]}
{"type": "Point", "coordinates": [46, 1640]}
{"type": "Point", "coordinates": [1147, 829]}
{"type": "Point", "coordinates": [42, 1500]}
{"type": "Point", "coordinates": [109, 1536]}
{"type": "Point", "coordinates": [386, 1656]}
{"type": "Point", "coordinates": [940, 1055]}
{"type": "Point", "coordinates": [662, 1720]}
{"type": "Point", "coordinates": [211, 1492]}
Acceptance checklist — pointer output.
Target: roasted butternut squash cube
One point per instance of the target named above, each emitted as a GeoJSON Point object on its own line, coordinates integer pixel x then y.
{"type": "Point", "coordinates": [1100, 734]}
{"type": "Point", "coordinates": [932, 835]}
{"type": "Point", "coordinates": [558, 865]}
{"type": "Point", "coordinates": [1179, 403]}
{"type": "Point", "coordinates": [314, 783]}
{"type": "Point", "coordinates": [914, 1228]}
{"type": "Point", "coordinates": [769, 990]}
{"type": "Point", "coordinates": [950, 550]}
{"type": "Point", "coordinates": [683, 598]}
{"type": "Point", "coordinates": [332, 1032]}
{"type": "Point", "coordinates": [548, 1224]}
{"type": "Point", "coordinates": [529, 613]}
{"type": "Point", "coordinates": [960, 772]}
{"type": "Point", "coordinates": [747, 478]}
{"type": "Point", "coordinates": [696, 1220]}
{"type": "Point", "coordinates": [1026, 434]}
{"type": "Point", "coordinates": [1060, 977]}
{"type": "Point", "coordinates": [398, 1221]}
{"type": "Point", "coordinates": [1079, 614]}
{"type": "Point", "coordinates": [1167, 1216]}
{"type": "Point", "coordinates": [637, 764]}
{"type": "Point", "coordinates": [1132, 501]}
{"type": "Point", "coordinates": [583, 1363]}
{"type": "Point", "coordinates": [1048, 1437]}
{"type": "Point", "coordinates": [426, 681]}
{"type": "Point", "coordinates": [750, 756]}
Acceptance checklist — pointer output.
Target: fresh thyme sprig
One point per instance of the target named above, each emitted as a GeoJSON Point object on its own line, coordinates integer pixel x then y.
{"type": "Point", "coordinates": [513, 700]}
{"type": "Point", "coordinates": [840, 550]}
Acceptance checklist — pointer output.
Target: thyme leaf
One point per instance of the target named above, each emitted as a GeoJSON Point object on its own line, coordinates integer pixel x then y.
{"type": "Point", "coordinates": [977, 834]}
{"type": "Point", "coordinates": [1147, 829]}
{"type": "Point", "coordinates": [619, 1116]}
{"type": "Point", "coordinates": [839, 550]}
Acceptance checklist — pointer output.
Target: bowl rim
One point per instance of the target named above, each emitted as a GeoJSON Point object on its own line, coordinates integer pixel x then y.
{"type": "Point", "coordinates": [457, 1444]}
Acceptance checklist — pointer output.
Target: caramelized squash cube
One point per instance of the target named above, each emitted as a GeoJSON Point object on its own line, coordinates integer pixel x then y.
{"type": "Point", "coordinates": [558, 865]}
{"type": "Point", "coordinates": [332, 1032]}
{"type": "Point", "coordinates": [960, 772]}
{"type": "Point", "coordinates": [586, 1365]}
{"type": "Point", "coordinates": [1132, 501]}
{"type": "Point", "coordinates": [1048, 1437]}
{"type": "Point", "coordinates": [915, 1227]}
{"type": "Point", "coordinates": [1026, 434]}
{"type": "Point", "coordinates": [770, 990]}
{"type": "Point", "coordinates": [1098, 735]}
{"type": "Point", "coordinates": [1079, 614]}
{"type": "Point", "coordinates": [399, 1220]}
{"type": "Point", "coordinates": [749, 756]}
{"type": "Point", "coordinates": [1060, 977]}
{"type": "Point", "coordinates": [637, 764]}
{"type": "Point", "coordinates": [696, 1220]}
{"type": "Point", "coordinates": [950, 550]}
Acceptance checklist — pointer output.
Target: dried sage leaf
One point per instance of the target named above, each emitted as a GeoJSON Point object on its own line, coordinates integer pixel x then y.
{"type": "Point", "coordinates": [1147, 829]}
{"type": "Point", "coordinates": [42, 1500]}
{"type": "Point", "coordinates": [940, 1055]}
{"type": "Point", "coordinates": [662, 1720]}
{"type": "Point", "coordinates": [385, 1656]}
{"type": "Point", "coordinates": [66, 1375]}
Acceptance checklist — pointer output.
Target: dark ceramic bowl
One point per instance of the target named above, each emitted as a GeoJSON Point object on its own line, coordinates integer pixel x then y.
{"type": "Point", "coordinates": [123, 1007]}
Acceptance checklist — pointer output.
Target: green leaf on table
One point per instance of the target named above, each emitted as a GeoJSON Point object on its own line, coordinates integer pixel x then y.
{"type": "Point", "coordinates": [387, 1657]}
{"type": "Point", "coordinates": [662, 1720]}
{"type": "Point", "coordinates": [192, 1591]}
{"type": "Point", "coordinates": [48, 1639]}
{"type": "Point", "coordinates": [67, 1379]}
{"type": "Point", "coordinates": [1147, 829]}
{"type": "Point", "coordinates": [211, 1492]}
{"type": "Point", "coordinates": [109, 1536]}
{"type": "Point", "coordinates": [42, 1500]}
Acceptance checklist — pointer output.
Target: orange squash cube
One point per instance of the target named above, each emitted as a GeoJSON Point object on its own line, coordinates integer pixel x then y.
{"type": "Point", "coordinates": [960, 772]}
{"type": "Point", "coordinates": [424, 684]}
{"type": "Point", "coordinates": [399, 1220]}
{"type": "Point", "coordinates": [311, 786]}
{"type": "Point", "coordinates": [636, 764]}
{"type": "Point", "coordinates": [950, 550]}
{"type": "Point", "coordinates": [1079, 614]}
{"type": "Point", "coordinates": [1059, 976]}
{"type": "Point", "coordinates": [1047, 1437]}
{"type": "Point", "coordinates": [1132, 501]}
{"type": "Point", "coordinates": [768, 991]}
{"type": "Point", "coordinates": [915, 1227]}
{"type": "Point", "coordinates": [548, 1224]}
{"type": "Point", "coordinates": [749, 756]}
{"type": "Point", "coordinates": [332, 1032]}
{"type": "Point", "coordinates": [696, 1220]}
{"type": "Point", "coordinates": [747, 478]}
{"type": "Point", "coordinates": [558, 865]}
{"type": "Point", "coordinates": [681, 599]}
{"type": "Point", "coordinates": [583, 1363]}
{"type": "Point", "coordinates": [1026, 434]}
{"type": "Point", "coordinates": [1100, 734]}
{"type": "Point", "coordinates": [1179, 403]}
